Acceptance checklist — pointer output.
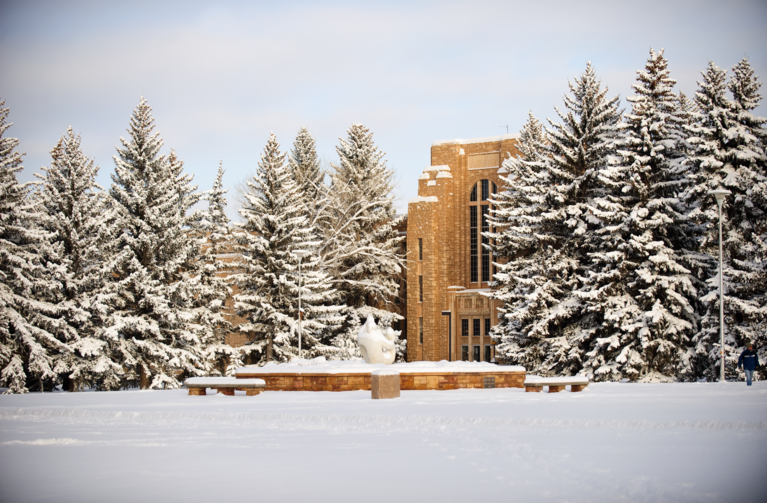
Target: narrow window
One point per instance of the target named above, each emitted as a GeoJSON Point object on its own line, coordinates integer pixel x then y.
{"type": "Point", "coordinates": [473, 196]}
{"type": "Point", "coordinates": [420, 248]}
{"type": "Point", "coordinates": [476, 327]}
{"type": "Point", "coordinates": [487, 326]}
{"type": "Point", "coordinates": [420, 288]}
{"type": "Point", "coordinates": [485, 242]}
{"type": "Point", "coordinates": [464, 328]}
{"type": "Point", "coordinates": [420, 330]}
{"type": "Point", "coordinates": [465, 353]}
{"type": "Point", "coordinates": [485, 189]}
{"type": "Point", "coordinates": [495, 189]}
{"type": "Point", "coordinates": [487, 353]}
{"type": "Point", "coordinates": [473, 243]}
{"type": "Point", "coordinates": [476, 353]}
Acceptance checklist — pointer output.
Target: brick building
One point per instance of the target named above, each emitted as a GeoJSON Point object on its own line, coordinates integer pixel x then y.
{"type": "Point", "coordinates": [448, 318]}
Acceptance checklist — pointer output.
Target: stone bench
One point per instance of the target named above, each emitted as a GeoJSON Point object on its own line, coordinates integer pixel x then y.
{"type": "Point", "coordinates": [225, 385]}
{"type": "Point", "coordinates": [555, 384]}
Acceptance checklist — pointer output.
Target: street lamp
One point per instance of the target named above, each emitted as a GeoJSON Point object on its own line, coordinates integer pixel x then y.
{"type": "Point", "coordinates": [300, 254]}
{"type": "Point", "coordinates": [720, 194]}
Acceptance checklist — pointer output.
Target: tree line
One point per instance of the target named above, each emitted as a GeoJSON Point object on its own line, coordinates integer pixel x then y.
{"type": "Point", "coordinates": [127, 288]}
{"type": "Point", "coordinates": [606, 237]}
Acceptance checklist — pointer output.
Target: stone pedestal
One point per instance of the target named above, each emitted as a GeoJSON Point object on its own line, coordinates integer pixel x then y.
{"type": "Point", "coordinates": [197, 391]}
{"type": "Point", "coordinates": [555, 389]}
{"type": "Point", "coordinates": [576, 387]}
{"type": "Point", "coordinates": [384, 384]}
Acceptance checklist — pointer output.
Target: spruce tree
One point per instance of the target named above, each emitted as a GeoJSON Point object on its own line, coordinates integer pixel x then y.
{"type": "Point", "coordinates": [360, 244]}
{"type": "Point", "coordinates": [156, 340]}
{"type": "Point", "coordinates": [307, 173]}
{"type": "Point", "coordinates": [276, 226]}
{"type": "Point", "coordinates": [33, 333]}
{"type": "Point", "coordinates": [641, 290]}
{"type": "Point", "coordinates": [212, 289]}
{"type": "Point", "coordinates": [730, 153]}
{"type": "Point", "coordinates": [78, 216]}
{"type": "Point", "coordinates": [564, 205]}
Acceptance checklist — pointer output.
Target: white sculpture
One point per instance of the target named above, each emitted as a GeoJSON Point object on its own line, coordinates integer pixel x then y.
{"type": "Point", "coordinates": [375, 345]}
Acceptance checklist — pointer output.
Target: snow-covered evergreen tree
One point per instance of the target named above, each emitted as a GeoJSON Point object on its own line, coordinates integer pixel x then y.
{"type": "Point", "coordinates": [307, 173]}
{"type": "Point", "coordinates": [730, 153]}
{"type": "Point", "coordinates": [157, 339]}
{"type": "Point", "coordinates": [563, 204]}
{"type": "Point", "coordinates": [641, 290]}
{"type": "Point", "coordinates": [77, 214]}
{"type": "Point", "coordinates": [276, 226]}
{"type": "Point", "coordinates": [215, 261]}
{"type": "Point", "coordinates": [33, 333]}
{"type": "Point", "coordinates": [360, 243]}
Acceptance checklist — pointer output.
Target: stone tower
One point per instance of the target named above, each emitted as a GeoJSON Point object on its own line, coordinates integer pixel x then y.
{"type": "Point", "coordinates": [448, 268]}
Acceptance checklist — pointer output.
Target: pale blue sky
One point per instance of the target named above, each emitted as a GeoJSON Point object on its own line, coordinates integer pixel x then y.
{"type": "Point", "coordinates": [221, 77]}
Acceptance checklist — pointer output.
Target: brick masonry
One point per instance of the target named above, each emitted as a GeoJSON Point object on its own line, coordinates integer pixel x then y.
{"type": "Point", "coordinates": [353, 382]}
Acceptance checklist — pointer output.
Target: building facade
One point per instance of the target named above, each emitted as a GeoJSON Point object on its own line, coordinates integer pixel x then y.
{"type": "Point", "coordinates": [449, 269]}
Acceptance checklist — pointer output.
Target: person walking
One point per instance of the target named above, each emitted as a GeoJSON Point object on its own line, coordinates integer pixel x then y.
{"type": "Point", "coordinates": [749, 360]}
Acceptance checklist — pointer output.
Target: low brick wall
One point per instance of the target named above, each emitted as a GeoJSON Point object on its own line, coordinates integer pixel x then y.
{"type": "Point", "coordinates": [415, 381]}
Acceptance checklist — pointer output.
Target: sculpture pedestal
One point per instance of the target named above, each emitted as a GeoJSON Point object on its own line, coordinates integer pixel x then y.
{"type": "Point", "coordinates": [384, 384]}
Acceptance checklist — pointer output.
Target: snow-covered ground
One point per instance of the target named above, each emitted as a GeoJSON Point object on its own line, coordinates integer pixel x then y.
{"type": "Point", "coordinates": [612, 442]}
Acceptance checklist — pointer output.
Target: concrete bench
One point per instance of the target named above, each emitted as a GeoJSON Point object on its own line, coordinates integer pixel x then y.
{"type": "Point", "coordinates": [555, 384]}
{"type": "Point", "coordinates": [225, 385]}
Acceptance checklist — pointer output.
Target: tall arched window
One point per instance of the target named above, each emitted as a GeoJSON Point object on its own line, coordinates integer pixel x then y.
{"type": "Point", "coordinates": [478, 223]}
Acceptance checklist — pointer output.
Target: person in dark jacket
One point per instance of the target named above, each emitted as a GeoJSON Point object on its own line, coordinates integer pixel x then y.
{"type": "Point", "coordinates": [749, 361]}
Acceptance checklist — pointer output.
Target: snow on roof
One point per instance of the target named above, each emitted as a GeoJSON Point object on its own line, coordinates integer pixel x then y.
{"type": "Point", "coordinates": [431, 182]}
{"type": "Point", "coordinates": [456, 287]}
{"type": "Point", "coordinates": [423, 199]}
{"type": "Point", "coordinates": [444, 174]}
{"type": "Point", "coordinates": [443, 167]}
{"type": "Point", "coordinates": [424, 176]}
{"type": "Point", "coordinates": [486, 139]}
{"type": "Point", "coordinates": [321, 366]}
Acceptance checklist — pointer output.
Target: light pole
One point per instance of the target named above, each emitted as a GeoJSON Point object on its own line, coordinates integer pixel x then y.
{"type": "Point", "coordinates": [720, 194]}
{"type": "Point", "coordinates": [300, 254]}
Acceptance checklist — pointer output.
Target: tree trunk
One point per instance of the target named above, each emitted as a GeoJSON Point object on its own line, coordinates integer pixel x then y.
{"type": "Point", "coordinates": [269, 349]}
{"type": "Point", "coordinates": [143, 378]}
{"type": "Point", "coordinates": [68, 384]}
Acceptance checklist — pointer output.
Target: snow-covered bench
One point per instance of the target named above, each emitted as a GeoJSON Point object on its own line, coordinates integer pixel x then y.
{"type": "Point", "coordinates": [555, 384]}
{"type": "Point", "coordinates": [225, 385]}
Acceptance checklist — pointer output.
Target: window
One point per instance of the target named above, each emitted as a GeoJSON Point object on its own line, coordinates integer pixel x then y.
{"type": "Point", "coordinates": [464, 353]}
{"type": "Point", "coordinates": [420, 288]}
{"type": "Point", "coordinates": [473, 242]}
{"type": "Point", "coordinates": [487, 326]}
{"type": "Point", "coordinates": [488, 352]}
{"type": "Point", "coordinates": [485, 242]}
{"type": "Point", "coordinates": [479, 224]}
{"type": "Point", "coordinates": [464, 327]}
{"type": "Point", "coordinates": [476, 327]}
{"type": "Point", "coordinates": [476, 353]}
{"type": "Point", "coordinates": [420, 248]}
{"type": "Point", "coordinates": [420, 330]}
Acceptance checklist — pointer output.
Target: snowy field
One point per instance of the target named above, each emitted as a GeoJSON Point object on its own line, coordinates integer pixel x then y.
{"type": "Point", "coordinates": [612, 442]}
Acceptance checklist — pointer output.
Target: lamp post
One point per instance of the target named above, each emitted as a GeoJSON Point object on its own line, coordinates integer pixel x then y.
{"type": "Point", "coordinates": [300, 254]}
{"type": "Point", "coordinates": [720, 194]}
{"type": "Point", "coordinates": [449, 315]}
